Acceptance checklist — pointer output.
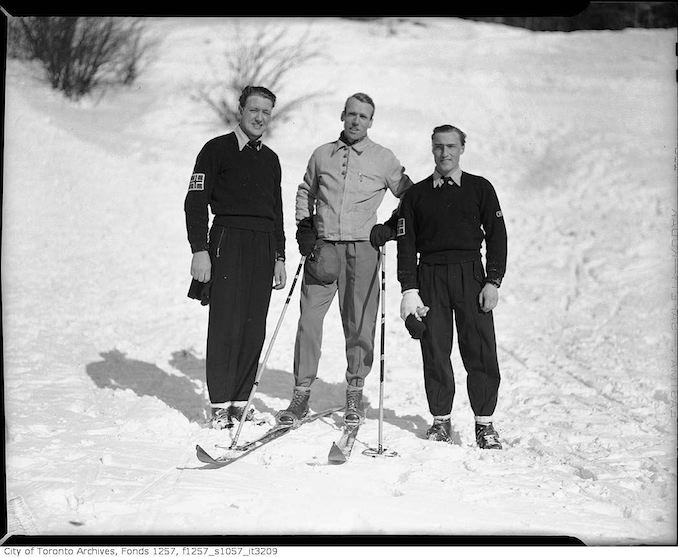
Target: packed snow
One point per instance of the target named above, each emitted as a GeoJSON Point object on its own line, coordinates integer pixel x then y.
{"type": "Point", "coordinates": [104, 353]}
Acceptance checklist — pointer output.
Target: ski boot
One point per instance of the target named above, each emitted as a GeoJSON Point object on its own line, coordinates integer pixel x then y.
{"type": "Point", "coordinates": [220, 418]}
{"type": "Point", "coordinates": [487, 437]}
{"type": "Point", "coordinates": [441, 430]}
{"type": "Point", "coordinates": [297, 409]}
{"type": "Point", "coordinates": [354, 415]}
{"type": "Point", "coordinates": [235, 412]}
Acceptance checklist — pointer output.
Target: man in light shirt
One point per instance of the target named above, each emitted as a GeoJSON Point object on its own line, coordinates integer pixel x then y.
{"type": "Point", "coordinates": [336, 209]}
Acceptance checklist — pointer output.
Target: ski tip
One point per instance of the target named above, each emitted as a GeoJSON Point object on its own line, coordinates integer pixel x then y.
{"type": "Point", "coordinates": [203, 455]}
{"type": "Point", "coordinates": [336, 455]}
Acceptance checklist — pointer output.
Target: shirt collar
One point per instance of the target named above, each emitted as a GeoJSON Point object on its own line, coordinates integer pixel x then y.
{"type": "Point", "coordinates": [358, 146]}
{"type": "Point", "coordinates": [454, 174]}
{"type": "Point", "coordinates": [242, 138]}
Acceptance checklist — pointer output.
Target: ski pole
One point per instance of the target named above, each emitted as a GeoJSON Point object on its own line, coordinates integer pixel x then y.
{"type": "Point", "coordinates": [382, 255]}
{"type": "Point", "coordinates": [262, 365]}
{"type": "Point", "coordinates": [380, 449]}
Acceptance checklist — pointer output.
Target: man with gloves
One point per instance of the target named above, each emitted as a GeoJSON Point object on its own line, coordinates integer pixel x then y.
{"type": "Point", "coordinates": [445, 218]}
{"type": "Point", "coordinates": [336, 206]}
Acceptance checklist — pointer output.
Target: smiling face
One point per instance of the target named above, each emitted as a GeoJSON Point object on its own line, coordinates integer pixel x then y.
{"type": "Point", "coordinates": [255, 115]}
{"type": "Point", "coordinates": [357, 119]}
{"type": "Point", "coordinates": [447, 149]}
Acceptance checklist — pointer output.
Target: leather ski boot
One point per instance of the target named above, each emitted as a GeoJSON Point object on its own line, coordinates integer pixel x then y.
{"type": "Point", "coordinates": [355, 412]}
{"type": "Point", "coordinates": [487, 437]}
{"type": "Point", "coordinates": [297, 409]}
{"type": "Point", "coordinates": [441, 430]}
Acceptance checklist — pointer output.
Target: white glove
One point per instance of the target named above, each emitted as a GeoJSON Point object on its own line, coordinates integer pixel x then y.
{"type": "Point", "coordinates": [412, 304]}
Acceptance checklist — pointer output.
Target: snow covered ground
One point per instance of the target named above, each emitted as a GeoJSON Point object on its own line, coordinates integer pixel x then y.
{"type": "Point", "coordinates": [104, 353]}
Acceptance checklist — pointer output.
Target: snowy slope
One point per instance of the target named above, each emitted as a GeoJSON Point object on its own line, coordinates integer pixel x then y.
{"type": "Point", "coordinates": [104, 353]}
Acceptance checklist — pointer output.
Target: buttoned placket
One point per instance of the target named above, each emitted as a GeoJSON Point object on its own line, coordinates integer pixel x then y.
{"type": "Point", "coordinates": [344, 173]}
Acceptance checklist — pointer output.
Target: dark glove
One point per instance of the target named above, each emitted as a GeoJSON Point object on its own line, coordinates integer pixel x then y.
{"type": "Point", "coordinates": [415, 327]}
{"type": "Point", "coordinates": [200, 291]}
{"type": "Point", "coordinates": [306, 236]}
{"type": "Point", "coordinates": [380, 234]}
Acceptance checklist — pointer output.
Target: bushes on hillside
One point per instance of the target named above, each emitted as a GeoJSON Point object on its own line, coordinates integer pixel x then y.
{"type": "Point", "coordinates": [262, 56]}
{"type": "Point", "coordinates": [79, 54]}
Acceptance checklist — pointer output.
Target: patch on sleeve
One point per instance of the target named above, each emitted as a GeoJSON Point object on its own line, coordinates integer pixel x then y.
{"type": "Point", "coordinates": [499, 214]}
{"type": "Point", "coordinates": [197, 182]}
{"type": "Point", "coordinates": [401, 227]}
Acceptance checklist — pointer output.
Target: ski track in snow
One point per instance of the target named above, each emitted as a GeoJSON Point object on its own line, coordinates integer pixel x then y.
{"type": "Point", "coordinates": [104, 354]}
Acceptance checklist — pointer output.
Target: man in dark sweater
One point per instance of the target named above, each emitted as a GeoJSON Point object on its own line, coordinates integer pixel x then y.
{"type": "Point", "coordinates": [244, 255]}
{"type": "Point", "coordinates": [445, 218]}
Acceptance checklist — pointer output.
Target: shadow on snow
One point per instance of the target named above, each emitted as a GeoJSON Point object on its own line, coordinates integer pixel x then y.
{"type": "Point", "coordinates": [186, 393]}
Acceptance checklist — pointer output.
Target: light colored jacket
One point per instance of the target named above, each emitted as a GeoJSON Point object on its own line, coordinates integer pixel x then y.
{"type": "Point", "coordinates": [344, 186]}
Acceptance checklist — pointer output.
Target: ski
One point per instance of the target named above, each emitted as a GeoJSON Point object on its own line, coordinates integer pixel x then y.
{"type": "Point", "coordinates": [272, 434]}
{"type": "Point", "coordinates": [341, 450]}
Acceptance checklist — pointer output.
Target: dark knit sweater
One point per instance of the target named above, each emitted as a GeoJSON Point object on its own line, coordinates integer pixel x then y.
{"type": "Point", "coordinates": [242, 188]}
{"type": "Point", "coordinates": [448, 225]}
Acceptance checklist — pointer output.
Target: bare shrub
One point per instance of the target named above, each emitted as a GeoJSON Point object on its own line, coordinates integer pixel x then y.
{"type": "Point", "coordinates": [81, 53]}
{"type": "Point", "coordinates": [135, 53]}
{"type": "Point", "coordinates": [17, 46]}
{"type": "Point", "coordinates": [266, 58]}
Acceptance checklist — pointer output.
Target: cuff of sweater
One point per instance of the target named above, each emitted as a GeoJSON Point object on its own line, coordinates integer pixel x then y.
{"type": "Point", "coordinates": [496, 281]}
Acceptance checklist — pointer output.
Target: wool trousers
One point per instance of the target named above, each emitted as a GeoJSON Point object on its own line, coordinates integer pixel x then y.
{"type": "Point", "coordinates": [242, 275]}
{"type": "Point", "coordinates": [451, 292]}
{"type": "Point", "coordinates": [358, 288]}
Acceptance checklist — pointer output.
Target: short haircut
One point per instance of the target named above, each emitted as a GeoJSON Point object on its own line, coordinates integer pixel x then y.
{"type": "Point", "coordinates": [250, 90]}
{"type": "Point", "coordinates": [447, 128]}
{"type": "Point", "coordinates": [363, 98]}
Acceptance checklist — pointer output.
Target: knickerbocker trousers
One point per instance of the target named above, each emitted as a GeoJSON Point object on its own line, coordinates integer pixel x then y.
{"type": "Point", "coordinates": [451, 290]}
